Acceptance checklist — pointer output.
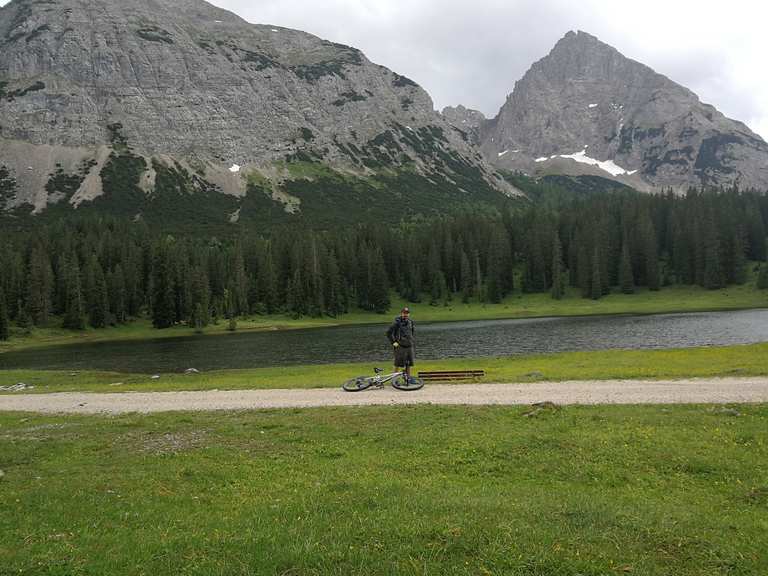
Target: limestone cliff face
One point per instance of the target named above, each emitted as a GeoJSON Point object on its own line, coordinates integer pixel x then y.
{"type": "Point", "coordinates": [587, 108]}
{"type": "Point", "coordinates": [468, 121]}
{"type": "Point", "coordinates": [184, 85]}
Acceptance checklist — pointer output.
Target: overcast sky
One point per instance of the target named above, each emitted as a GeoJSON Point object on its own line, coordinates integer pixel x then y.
{"type": "Point", "coordinates": [472, 52]}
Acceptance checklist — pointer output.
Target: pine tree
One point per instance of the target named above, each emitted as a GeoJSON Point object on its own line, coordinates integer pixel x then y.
{"type": "Point", "coordinates": [762, 277]}
{"type": "Point", "coordinates": [201, 298]}
{"type": "Point", "coordinates": [596, 284]}
{"type": "Point", "coordinates": [379, 301]}
{"type": "Point", "coordinates": [314, 264]}
{"type": "Point", "coordinates": [230, 310]}
{"type": "Point", "coordinates": [626, 278]}
{"type": "Point", "coordinates": [98, 303]}
{"type": "Point", "coordinates": [433, 271]}
{"type": "Point", "coordinates": [584, 272]}
{"type": "Point", "coordinates": [5, 330]}
{"type": "Point", "coordinates": [39, 286]}
{"type": "Point", "coordinates": [713, 276]}
{"type": "Point", "coordinates": [467, 281]}
{"type": "Point", "coordinates": [499, 267]}
{"type": "Point", "coordinates": [117, 295]}
{"type": "Point", "coordinates": [238, 284]}
{"type": "Point", "coordinates": [535, 265]}
{"type": "Point", "coordinates": [336, 305]}
{"type": "Point", "coordinates": [651, 256]}
{"type": "Point", "coordinates": [738, 261]}
{"type": "Point", "coordinates": [164, 297]}
{"type": "Point", "coordinates": [199, 318]}
{"type": "Point", "coordinates": [267, 283]}
{"type": "Point", "coordinates": [74, 311]}
{"type": "Point", "coordinates": [297, 300]}
{"type": "Point", "coordinates": [558, 274]}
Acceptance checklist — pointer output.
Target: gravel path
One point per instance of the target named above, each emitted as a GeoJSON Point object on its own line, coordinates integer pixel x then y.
{"type": "Point", "coordinates": [710, 391]}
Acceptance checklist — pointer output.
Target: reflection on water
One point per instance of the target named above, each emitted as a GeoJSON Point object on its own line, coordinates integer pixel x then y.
{"type": "Point", "coordinates": [434, 341]}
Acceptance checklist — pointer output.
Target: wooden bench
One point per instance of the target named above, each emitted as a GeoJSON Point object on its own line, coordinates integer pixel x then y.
{"type": "Point", "coordinates": [452, 375]}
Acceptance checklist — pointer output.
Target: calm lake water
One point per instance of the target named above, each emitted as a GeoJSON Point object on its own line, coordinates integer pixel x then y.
{"type": "Point", "coordinates": [434, 341]}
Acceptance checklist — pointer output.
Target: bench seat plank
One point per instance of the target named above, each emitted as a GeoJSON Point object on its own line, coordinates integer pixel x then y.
{"type": "Point", "coordinates": [452, 375]}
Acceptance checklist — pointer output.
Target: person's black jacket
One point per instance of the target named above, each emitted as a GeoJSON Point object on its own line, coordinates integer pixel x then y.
{"type": "Point", "coordinates": [402, 331]}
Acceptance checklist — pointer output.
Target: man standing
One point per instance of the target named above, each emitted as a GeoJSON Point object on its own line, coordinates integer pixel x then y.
{"type": "Point", "coordinates": [401, 336]}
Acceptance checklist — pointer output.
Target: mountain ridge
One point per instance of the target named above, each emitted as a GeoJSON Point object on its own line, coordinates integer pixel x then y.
{"type": "Point", "coordinates": [586, 108]}
{"type": "Point", "coordinates": [188, 92]}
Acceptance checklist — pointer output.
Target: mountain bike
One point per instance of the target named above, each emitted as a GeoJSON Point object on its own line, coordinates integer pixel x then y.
{"type": "Point", "coordinates": [399, 380]}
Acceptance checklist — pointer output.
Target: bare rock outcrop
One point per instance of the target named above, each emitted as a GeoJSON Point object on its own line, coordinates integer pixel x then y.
{"type": "Point", "coordinates": [186, 87]}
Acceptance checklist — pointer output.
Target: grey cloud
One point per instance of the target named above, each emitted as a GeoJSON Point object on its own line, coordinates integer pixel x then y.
{"type": "Point", "coordinates": [472, 53]}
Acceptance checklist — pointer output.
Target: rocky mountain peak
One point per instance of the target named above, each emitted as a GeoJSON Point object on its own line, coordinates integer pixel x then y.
{"type": "Point", "coordinates": [587, 108]}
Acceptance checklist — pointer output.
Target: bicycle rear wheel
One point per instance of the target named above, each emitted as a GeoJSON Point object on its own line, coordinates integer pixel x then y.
{"type": "Point", "coordinates": [358, 384]}
{"type": "Point", "coordinates": [408, 384]}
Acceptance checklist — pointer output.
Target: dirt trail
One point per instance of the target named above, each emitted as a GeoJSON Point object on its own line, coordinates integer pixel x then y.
{"type": "Point", "coordinates": [709, 391]}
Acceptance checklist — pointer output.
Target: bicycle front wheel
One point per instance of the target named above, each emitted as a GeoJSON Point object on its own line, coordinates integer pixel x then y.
{"type": "Point", "coordinates": [408, 384]}
{"type": "Point", "coordinates": [358, 384]}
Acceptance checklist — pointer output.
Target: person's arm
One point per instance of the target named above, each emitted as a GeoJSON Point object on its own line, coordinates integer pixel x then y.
{"type": "Point", "coordinates": [391, 333]}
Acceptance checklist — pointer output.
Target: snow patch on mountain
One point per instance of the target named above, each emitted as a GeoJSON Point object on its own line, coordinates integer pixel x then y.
{"type": "Point", "coordinates": [608, 165]}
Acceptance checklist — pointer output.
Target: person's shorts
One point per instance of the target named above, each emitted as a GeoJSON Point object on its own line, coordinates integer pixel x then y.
{"type": "Point", "coordinates": [405, 356]}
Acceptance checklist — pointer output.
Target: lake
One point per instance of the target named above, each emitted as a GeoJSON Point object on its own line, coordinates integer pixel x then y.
{"type": "Point", "coordinates": [367, 343]}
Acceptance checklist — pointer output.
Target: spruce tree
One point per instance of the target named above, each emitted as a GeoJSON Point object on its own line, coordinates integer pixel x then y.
{"type": "Point", "coordinates": [762, 277]}
{"type": "Point", "coordinates": [5, 329]}
{"type": "Point", "coordinates": [379, 301]}
{"type": "Point", "coordinates": [652, 277]}
{"type": "Point", "coordinates": [713, 273]}
{"type": "Point", "coordinates": [163, 297]}
{"type": "Point", "coordinates": [596, 288]}
{"type": "Point", "coordinates": [98, 305]}
{"type": "Point", "coordinates": [201, 298]}
{"type": "Point", "coordinates": [74, 311]}
{"type": "Point", "coordinates": [585, 271]}
{"type": "Point", "coordinates": [117, 295]}
{"type": "Point", "coordinates": [498, 275]}
{"type": "Point", "coordinates": [267, 283]}
{"type": "Point", "coordinates": [435, 282]}
{"type": "Point", "coordinates": [296, 296]}
{"type": "Point", "coordinates": [467, 282]}
{"type": "Point", "coordinates": [558, 274]}
{"type": "Point", "coordinates": [199, 318]}
{"type": "Point", "coordinates": [230, 307]}
{"type": "Point", "coordinates": [738, 260]}
{"type": "Point", "coordinates": [334, 291]}
{"type": "Point", "coordinates": [626, 278]}
{"type": "Point", "coordinates": [238, 284]}
{"type": "Point", "coordinates": [39, 292]}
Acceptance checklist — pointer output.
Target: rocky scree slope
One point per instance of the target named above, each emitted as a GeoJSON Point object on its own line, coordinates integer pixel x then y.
{"type": "Point", "coordinates": [132, 105]}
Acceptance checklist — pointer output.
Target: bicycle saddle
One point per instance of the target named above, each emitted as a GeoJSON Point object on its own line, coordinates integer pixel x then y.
{"type": "Point", "coordinates": [378, 370]}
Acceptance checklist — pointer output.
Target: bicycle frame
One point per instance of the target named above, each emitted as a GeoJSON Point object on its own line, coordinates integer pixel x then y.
{"type": "Point", "coordinates": [381, 379]}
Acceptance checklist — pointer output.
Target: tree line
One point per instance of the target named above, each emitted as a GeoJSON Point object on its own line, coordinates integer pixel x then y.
{"type": "Point", "coordinates": [100, 272]}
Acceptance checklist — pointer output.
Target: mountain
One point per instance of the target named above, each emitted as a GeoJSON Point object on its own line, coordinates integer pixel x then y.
{"type": "Point", "coordinates": [170, 108]}
{"type": "Point", "coordinates": [586, 109]}
{"type": "Point", "coordinates": [468, 121]}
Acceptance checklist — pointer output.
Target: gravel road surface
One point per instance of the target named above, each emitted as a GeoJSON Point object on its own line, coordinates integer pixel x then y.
{"type": "Point", "coordinates": [709, 391]}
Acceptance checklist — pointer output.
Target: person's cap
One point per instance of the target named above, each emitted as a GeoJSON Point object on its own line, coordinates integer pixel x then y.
{"type": "Point", "coordinates": [406, 310]}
